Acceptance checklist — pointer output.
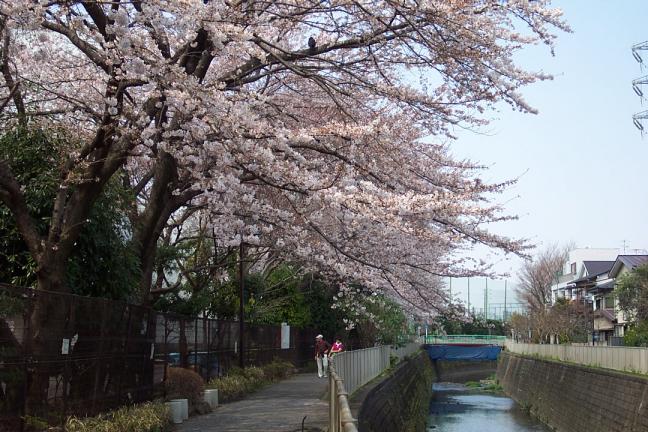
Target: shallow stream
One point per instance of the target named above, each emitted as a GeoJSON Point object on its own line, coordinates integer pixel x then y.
{"type": "Point", "coordinates": [457, 408]}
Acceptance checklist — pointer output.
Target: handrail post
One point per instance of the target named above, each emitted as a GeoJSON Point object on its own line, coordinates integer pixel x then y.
{"type": "Point", "coordinates": [332, 399]}
{"type": "Point", "coordinates": [340, 418]}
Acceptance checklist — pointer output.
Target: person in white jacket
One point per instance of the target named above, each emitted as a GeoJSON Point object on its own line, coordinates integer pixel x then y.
{"type": "Point", "coordinates": [322, 349]}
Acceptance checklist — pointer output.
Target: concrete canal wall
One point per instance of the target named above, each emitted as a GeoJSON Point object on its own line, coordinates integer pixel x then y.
{"type": "Point", "coordinates": [401, 401]}
{"type": "Point", "coordinates": [572, 398]}
{"type": "Point", "coordinates": [463, 371]}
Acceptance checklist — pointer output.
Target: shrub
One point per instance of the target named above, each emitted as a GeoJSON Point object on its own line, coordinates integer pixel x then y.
{"type": "Point", "coordinates": [235, 371]}
{"type": "Point", "coordinates": [255, 374]}
{"type": "Point", "coordinates": [637, 335]}
{"type": "Point", "coordinates": [184, 384]}
{"type": "Point", "coordinates": [35, 423]}
{"type": "Point", "coordinates": [278, 369]}
{"type": "Point", "coordinates": [231, 387]}
{"type": "Point", "coordinates": [239, 382]}
{"type": "Point", "coordinates": [148, 417]}
{"type": "Point", "coordinates": [393, 361]}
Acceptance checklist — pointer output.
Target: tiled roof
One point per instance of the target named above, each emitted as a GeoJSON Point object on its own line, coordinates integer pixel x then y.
{"type": "Point", "coordinates": [632, 261]}
{"type": "Point", "coordinates": [597, 267]}
{"type": "Point", "coordinates": [629, 261]}
{"type": "Point", "coordinates": [594, 268]}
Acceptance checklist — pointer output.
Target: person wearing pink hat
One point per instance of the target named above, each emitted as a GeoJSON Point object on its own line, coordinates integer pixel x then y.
{"type": "Point", "coordinates": [337, 347]}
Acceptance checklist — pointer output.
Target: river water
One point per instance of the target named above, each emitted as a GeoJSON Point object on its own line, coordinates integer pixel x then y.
{"type": "Point", "coordinates": [456, 408]}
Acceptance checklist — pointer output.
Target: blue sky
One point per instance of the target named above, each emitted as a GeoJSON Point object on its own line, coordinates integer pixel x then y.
{"type": "Point", "coordinates": [582, 164]}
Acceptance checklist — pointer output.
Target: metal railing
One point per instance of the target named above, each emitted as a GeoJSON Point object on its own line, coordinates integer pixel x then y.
{"type": "Point", "coordinates": [340, 417]}
{"type": "Point", "coordinates": [356, 368]}
{"type": "Point", "coordinates": [350, 370]}
{"type": "Point", "coordinates": [627, 359]}
{"type": "Point", "coordinates": [466, 339]}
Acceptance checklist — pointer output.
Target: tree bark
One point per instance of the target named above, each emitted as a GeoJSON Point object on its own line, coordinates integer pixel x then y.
{"type": "Point", "coordinates": [162, 203]}
{"type": "Point", "coordinates": [46, 327]}
{"type": "Point", "coordinates": [149, 225]}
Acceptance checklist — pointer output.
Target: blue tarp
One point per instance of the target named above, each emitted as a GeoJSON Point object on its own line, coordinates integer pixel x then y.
{"type": "Point", "coordinates": [463, 352]}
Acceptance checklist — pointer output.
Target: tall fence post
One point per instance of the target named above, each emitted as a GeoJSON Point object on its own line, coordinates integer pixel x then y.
{"type": "Point", "coordinates": [196, 365]}
{"type": "Point", "coordinates": [102, 336]}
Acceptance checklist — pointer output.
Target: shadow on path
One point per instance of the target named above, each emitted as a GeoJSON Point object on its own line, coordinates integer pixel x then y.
{"type": "Point", "coordinates": [280, 407]}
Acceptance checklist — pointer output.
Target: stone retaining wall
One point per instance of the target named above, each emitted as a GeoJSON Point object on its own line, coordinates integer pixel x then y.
{"type": "Point", "coordinates": [572, 398]}
{"type": "Point", "coordinates": [401, 402]}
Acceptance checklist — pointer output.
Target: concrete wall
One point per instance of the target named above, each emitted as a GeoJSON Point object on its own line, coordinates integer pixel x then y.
{"type": "Point", "coordinates": [571, 398]}
{"type": "Point", "coordinates": [401, 402]}
{"type": "Point", "coordinates": [623, 359]}
{"type": "Point", "coordinates": [463, 371]}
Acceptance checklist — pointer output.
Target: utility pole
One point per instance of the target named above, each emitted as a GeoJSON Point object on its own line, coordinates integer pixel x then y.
{"type": "Point", "coordinates": [486, 300]}
{"type": "Point", "coordinates": [241, 305]}
{"type": "Point", "coordinates": [469, 295]}
{"type": "Point", "coordinates": [504, 317]}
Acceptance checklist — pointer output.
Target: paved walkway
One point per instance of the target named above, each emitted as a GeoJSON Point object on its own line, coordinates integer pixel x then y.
{"type": "Point", "coordinates": [279, 407]}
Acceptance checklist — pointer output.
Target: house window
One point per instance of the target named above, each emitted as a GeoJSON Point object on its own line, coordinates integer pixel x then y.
{"type": "Point", "coordinates": [573, 268]}
{"type": "Point", "coordinates": [609, 302]}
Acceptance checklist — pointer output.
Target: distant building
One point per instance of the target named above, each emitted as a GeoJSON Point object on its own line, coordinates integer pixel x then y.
{"type": "Point", "coordinates": [590, 276]}
{"type": "Point", "coordinates": [581, 263]}
{"type": "Point", "coordinates": [610, 323]}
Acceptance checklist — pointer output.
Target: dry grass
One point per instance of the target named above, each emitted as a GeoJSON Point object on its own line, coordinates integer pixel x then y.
{"type": "Point", "coordinates": [148, 417]}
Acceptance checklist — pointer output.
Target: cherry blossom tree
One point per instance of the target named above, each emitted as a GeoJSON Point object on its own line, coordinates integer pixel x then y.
{"type": "Point", "coordinates": [314, 129]}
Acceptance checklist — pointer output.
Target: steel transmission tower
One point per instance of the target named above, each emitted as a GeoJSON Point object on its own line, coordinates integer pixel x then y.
{"type": "Point", "coordinates": [639, 83]}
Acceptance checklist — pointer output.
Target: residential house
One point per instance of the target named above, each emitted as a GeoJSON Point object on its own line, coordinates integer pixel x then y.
{"type": "Point", "coordinates": [581, 263]}
{"type": "Point", "coordinates": [610, 322]}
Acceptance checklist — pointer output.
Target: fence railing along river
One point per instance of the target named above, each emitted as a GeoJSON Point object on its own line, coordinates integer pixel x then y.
{"type": "Point", "coordinates": [349, 371]}
{"type": "Point", "coordinates": [465, 339]}
{"type": "Point", "coordinates": [629, 359]}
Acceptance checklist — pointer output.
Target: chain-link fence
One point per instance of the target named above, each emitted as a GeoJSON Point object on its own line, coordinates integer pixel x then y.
{"type": "Point", "coordinates": [63, 354]}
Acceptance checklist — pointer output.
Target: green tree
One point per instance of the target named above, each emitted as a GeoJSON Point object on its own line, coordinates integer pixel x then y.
{"type": "Point", "coordinates": [632, 293]}
{"type": "Point", "coordinates": [102, 263]}
{"type": "Point", "coordinates": [637, 335]}
{"type": "Point", "coordinates": [371, 318]}
{"type": "Point", "coordinates": [474, 325]}
{"type": "Point", "coordinates": [279, 297]}
{"type": "Point", "coordinates": [207, 282]}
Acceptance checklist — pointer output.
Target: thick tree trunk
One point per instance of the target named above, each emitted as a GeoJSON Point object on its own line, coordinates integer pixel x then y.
{"type": "Point", "coordinates": [12, 387]}
{"type": "Point", "coordinates": [149, 225]}
{"type": "Point", "coordinates": [48, 317]}
{"type": "Point", "coordinates": [162, 203]}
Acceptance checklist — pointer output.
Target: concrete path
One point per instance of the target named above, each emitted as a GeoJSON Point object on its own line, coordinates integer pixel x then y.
{"type": "Point", "coordinates": [279, 407]}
